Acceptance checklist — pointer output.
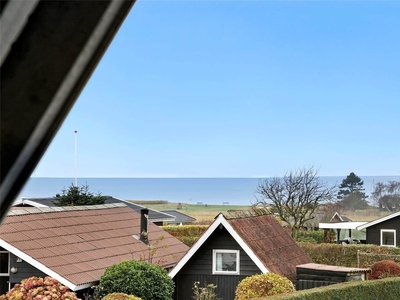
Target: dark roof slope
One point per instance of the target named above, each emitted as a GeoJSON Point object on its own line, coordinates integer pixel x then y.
{"type": "Point", "coordinates": [76, 244]}
{"type": "Point", "coordinates": [154, 215]}
{"type": "Point", "coordinates": [179, 217]}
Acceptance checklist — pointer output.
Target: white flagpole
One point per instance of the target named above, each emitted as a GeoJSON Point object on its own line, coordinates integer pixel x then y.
{"type": "Point", "coordinates": [76, 157]}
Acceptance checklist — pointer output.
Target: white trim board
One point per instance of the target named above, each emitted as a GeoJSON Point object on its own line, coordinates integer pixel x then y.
{"type": "Point", "coordinates": [24, 201]}
{"type": "Point", "coordinates": [341, 225]}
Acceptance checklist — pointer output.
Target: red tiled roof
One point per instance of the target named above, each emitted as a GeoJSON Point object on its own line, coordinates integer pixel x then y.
{"type": "Point", "coordinates": [79, 243]}
{"type": "Point", "coordinates": [270, 242]}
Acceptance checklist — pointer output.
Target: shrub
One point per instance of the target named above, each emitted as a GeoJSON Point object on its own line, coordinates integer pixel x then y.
{"type": "Point", "coordinates": [120, 296]}
{"type": "Point", "coordinates": [385, 268]}
{"type": "Point", "coordinates": [313, 237]}
{"type": "Point", "coordinates": [204, 293]}
{"type": "Point", "coordinates": [139, 278]}
{"type": "Point", "coordinates": [39, 288]}
{"type": "Point", "coordinates": [268, 284]}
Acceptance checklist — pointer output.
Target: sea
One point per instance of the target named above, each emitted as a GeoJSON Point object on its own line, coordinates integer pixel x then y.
{"type": "Point", "coordinates": [212, 191]}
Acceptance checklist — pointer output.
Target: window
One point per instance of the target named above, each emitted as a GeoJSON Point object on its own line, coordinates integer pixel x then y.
{"type": "Point", "coordinates": [4, 263]}
{"type": "Point", "coordinates": [226, 261]}
{"type": "Point", "coordinates": [388, 237]}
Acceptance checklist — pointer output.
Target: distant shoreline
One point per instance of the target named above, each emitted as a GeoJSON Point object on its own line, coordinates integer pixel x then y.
{"type": "Point", "coordinates": [235, 191]}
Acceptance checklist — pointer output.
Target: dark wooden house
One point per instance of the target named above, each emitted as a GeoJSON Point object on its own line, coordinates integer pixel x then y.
{"type": "Point", "coordinates": [384, 231]}
{"type": "Point", "coordinates": [76, 244]}
{"type": "Point", "coordinates": [234, 248]}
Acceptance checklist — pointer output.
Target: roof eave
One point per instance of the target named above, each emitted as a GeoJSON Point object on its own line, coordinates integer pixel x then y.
{"type": "Point", "coordinates": [28, 202]}
{"type": "Point", "coordinates": [39, 265]}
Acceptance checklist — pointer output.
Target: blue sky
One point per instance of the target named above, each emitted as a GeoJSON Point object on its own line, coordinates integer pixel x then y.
{"type": "Point", "coordinates": [240, 89]}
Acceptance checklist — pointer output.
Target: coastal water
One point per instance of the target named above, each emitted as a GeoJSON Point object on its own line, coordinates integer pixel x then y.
{"type": "Point", "coordinates": [235, 191]}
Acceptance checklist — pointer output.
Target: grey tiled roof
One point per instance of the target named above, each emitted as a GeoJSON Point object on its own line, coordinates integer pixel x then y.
{"type": "Point", "coordinates": [154, 215]}
{"type": "Point", "coordinates": [179, 217]}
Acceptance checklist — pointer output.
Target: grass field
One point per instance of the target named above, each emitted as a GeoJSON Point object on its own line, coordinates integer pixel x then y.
{"type": "Point", "coordinates": [205, 214]}
{"type": "Point", "coordinates": [366, 215]}
{"type": "Point", "coordinates": [202, 213]}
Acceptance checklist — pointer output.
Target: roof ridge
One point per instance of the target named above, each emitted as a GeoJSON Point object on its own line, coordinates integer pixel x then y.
{"type": "Point", "coordinates": [247, 213]}
{"type": "Point", "coordinates": [41, 210]}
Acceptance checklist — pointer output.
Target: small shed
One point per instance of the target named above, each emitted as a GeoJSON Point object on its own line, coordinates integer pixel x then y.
{"type": "Point", "coordinates": [384, 231]}
{"type": "Point", "coordinates": [314, 275]}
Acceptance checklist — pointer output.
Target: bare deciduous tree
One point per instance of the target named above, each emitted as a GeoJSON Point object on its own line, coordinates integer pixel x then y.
{"type": "Point", "coordinates": [295, 196]}
{"type": "Point", "coordinates": [387, 196]}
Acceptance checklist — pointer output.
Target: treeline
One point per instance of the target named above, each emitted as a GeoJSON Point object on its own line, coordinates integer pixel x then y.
{"type": "Point", "coordinates": [351, 195]}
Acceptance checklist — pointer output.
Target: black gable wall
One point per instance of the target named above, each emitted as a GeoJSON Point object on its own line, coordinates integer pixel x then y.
{"type": "Point", "coordinates": [374, 232]}
{"type": "Point", "coordinates": [199, 268]}
{"type": "Point", "coordinates": [25, 270]}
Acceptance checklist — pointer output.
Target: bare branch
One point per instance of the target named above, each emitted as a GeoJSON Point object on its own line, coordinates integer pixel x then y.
{"type": "Point", "coordinates": [295, 196]}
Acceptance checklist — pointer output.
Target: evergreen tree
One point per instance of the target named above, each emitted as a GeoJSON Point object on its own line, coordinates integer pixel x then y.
{"type": "Point", "coordinates": [351, 184]}
{"type": "Point", "coordinates": [76, 196]}
{"type": "Point", "coordinates": [354, 200]}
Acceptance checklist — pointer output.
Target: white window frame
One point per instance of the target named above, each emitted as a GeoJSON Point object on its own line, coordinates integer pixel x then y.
{"type": "Point", "coordinates": [8, 267]}
{"type": "Point", "coordinates": [394, 236]}
{"type": "Point", "coordinates": [214, 262]}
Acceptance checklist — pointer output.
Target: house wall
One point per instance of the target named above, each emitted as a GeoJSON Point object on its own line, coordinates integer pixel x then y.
{"type": "Point", "coordinates": [25, 270]}
{"type": "Point", "coordinates": [199, 268]}
{"type": "Point", "coordinates": [374, 232]}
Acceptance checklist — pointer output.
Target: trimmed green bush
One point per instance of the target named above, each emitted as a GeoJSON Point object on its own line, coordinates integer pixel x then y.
{"type": "Point", "coordinates": [120, 296]}
{"type": "Point", "coordinates": [384, 269]}
{"type": "Point", "coordinates": [263, 285]}
{"type": "Point", "coordinates": [388, 288]}
{"type": "Point", "coordinates": [139, 278]}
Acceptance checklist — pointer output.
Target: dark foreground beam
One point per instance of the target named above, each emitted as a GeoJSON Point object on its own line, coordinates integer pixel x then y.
{"type": "Point", "coordinates": [49, 50]}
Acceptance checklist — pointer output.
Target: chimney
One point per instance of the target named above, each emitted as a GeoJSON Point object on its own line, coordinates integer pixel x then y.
{"type": "Point", "coordinates": [144, 214]}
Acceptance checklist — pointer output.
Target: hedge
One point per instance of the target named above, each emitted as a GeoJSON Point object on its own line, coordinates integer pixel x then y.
{"type": "Point", "coordinates": [388, 288]}
{"type": "Point", "coordinates": [346, 255]}
{"type": "Point", "coordinates": [314, 237]}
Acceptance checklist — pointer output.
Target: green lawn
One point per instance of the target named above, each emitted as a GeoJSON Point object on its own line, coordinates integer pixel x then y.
{"type": "Point", "coordinates": [203, 213]}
